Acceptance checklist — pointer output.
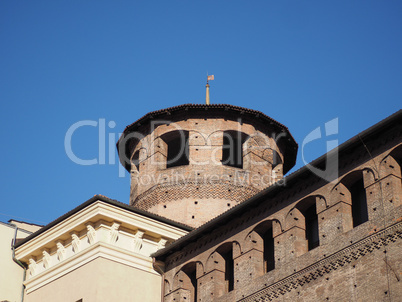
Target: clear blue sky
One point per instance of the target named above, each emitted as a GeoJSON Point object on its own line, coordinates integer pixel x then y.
{"type": "Point", "coordinates": [303, 63]}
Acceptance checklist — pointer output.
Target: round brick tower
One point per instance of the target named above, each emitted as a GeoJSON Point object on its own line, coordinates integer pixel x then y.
{"type": "Point", "coordinates": [193, 162]}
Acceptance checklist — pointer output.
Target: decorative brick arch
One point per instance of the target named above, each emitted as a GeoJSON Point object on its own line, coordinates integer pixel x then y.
{"type": "Point", "coordinates": [294, 218]}
{"type": "Point", "coordinates": [351, 190]}
{"type": "Point", "coordinates": [186, 278]}
{"type": "Point", "coordinates": [392, 162]}
{"type": "Point", "coordinates": [215, 138]}
{"type": "Point", "coordinates": [214, 260]}
{"type": "Point", "coordinates": [260, 242]}
{"type": "Point", "coordinates": [197, 138]}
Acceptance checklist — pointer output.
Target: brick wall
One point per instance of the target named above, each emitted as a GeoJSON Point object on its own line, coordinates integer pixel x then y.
{"type": "Point", "coordinates": [205, 187]}
{"type": "Point", "coordinates": [351, 263]}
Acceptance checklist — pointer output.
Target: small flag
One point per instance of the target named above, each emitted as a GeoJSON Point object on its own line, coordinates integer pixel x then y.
{"type": "Point", "coordinates": [210, 78]}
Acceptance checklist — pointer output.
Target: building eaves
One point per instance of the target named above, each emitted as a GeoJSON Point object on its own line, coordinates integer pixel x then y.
{"type": "Point", "coordinates": [20, 221]}
{"type": "Point", "coordinates": [12, 226]}
{"type": "Point", "coordinates": [170, 110]}
{"type": "Point", "coordinates": [108, 201]}
{"type": "Point", "coordinates": [356, 141]}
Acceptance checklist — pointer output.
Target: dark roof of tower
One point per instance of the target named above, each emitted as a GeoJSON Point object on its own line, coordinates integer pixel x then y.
{"type": "Point", "coordinates": [291, 145]}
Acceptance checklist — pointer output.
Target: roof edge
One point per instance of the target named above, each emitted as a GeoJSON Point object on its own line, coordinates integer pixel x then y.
{"type": "Point", "coordinates": [107, 200]}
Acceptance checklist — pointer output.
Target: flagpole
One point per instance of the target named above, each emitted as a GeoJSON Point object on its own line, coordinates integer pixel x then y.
{"type": "Point", "coordinates": [207, 94]}
{"type": "Point", "coordinates": [207, 88]}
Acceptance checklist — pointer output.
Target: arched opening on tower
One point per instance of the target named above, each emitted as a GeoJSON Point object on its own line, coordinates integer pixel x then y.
{"type": "Point", "coordinates": [264, 230]}
{"type": "Point", "coordinates": [232, 148]}
{"type": "Point", "coordinates": [177, 148]}
{"type": "Point", "coordinates": [190, 282]}
{"type": "Point", "coordinates": [355, 184]}
{"type": "Point", "coordinates": [309, 210]}
{"type": "Point", "coordinates": [226, 252]}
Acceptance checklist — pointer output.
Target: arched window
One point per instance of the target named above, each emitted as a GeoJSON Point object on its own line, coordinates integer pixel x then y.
{"type": "Point", "coordinates": [264, 230]}
{"type": "Point", "coordinates": [312, 233]}
{"type": "Point", "coordinates": [190, 283]}
{"type": "Point", "coordinates": [359, 202]}
{"type": "Point", "coordinates": [309, 210]}
{"type": "Point", "coordinates": [354, 183]}
{"type": "Point", "coordinates": [226, 251]}
{"type": "Point", "coordinates": [232, 149]}
{"type": "Point", "coordinates": [177, 148]}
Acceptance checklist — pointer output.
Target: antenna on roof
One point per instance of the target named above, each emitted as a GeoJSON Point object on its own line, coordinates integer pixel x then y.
{"type": "Point", "coordinates": [209, 78]}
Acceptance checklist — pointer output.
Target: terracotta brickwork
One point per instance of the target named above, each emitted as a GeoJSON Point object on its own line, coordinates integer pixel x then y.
{"type": "Point", "coordinates": [206, 183]}
{"type": "Point", "coordinates": [353, 255]}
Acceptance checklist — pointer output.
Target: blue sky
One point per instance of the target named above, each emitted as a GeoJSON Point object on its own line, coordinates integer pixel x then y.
{"type": "Point", "coordinates": [302, 63]}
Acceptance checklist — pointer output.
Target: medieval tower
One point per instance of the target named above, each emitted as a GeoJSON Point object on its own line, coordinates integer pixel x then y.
{"type": "Point", "coordinates": [192, 162]}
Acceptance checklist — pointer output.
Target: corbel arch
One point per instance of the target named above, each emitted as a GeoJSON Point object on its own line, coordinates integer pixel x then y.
{"type": "Point", "coordinates": [261, 238]}
{"type": "Point", "coordinates": [222, 259]}
{"type": "Point", "coordinates": [305, 217]}
{"type": "Point", "coordinates": [351, 188]}
{"type": "Point", "coordinates": [186, 279]}
{"type": "Point", "coordinates": [392, 163]}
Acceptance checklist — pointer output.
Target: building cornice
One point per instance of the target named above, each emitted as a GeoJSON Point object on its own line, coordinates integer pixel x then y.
{"type": "Point", "coordinates": [132, 211]}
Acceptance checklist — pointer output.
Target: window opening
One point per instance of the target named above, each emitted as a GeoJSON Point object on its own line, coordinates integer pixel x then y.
{"type": "Point", "coordinates": [177, 149]}
{"type": "Point", "coordinates": [229, 272]}
{"type": "Point", "coordinates": [312, 232]}
{"type": "Point", "coordinates": [264, 230]}
{"type": "Point", "coordinates": [232, 149]}
{"type": "Point", "coordinates": [191, 284]}
{"type": "Point", "coordinates": [226, 251]}
{"type": "Point", "coordinates": [359, 202]}
{"type": "Point", "coordinates": [269, 257]}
